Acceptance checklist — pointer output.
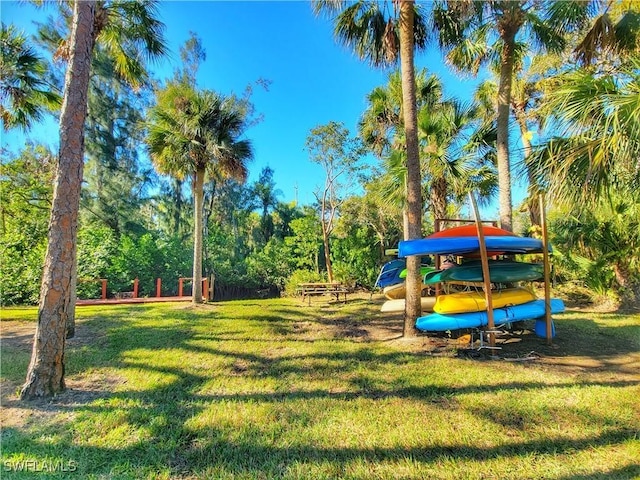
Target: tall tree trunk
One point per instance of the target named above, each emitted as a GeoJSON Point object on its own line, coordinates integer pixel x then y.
{"type": "Point", "coordinates": [327, 252]}
{"type": "Point", "coordinates": [413, 308]}
{"type": "Point", "coordinates": [628, 285]}
{"type": "Point", "coordinates": [533, 204]}
{"type": "Point", "coordinates": [504, 101]}
{"type": "Point", "coordinates": [177, 205]}
{"type": "Point", "coordinates": [71, 317]}
{"type": "Point", "coordinates": [45, 376]}
{"type": "Point", "coordinates": [198, 198]}
{"type": "Point", "coordinates": [439, 197]}
{"type": "Point", "coordinates": [405, 220]}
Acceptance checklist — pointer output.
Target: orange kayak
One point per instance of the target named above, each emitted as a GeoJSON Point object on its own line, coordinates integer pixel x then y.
{"type": "Point", "coordinates": [470, 231]}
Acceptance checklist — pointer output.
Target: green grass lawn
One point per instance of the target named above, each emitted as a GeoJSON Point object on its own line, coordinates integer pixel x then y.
{"type": "Point", "coordinates": [278, 389]}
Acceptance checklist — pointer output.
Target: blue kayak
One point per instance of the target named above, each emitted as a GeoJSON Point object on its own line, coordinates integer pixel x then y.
{"type": "Point", "coordinates": [464, 245]}
{"type": "Point", "coordinates": [395, 272]}
{"type": "Point", "coordinates": [390, 273]}
{"type": "Point", "coordinates": [441, 322]}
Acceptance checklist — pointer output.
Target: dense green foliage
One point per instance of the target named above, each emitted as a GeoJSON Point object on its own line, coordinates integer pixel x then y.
{"type": "Point", "coordinates": [235, 250]}
{"type": "Point", "coordinates": [135, 223]}
{"type": "Point", "coordinates": [25, 193]}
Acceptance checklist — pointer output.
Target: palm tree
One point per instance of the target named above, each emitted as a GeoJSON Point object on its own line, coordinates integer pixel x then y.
{"type": "Point", "coordinates": [131, 31]}
{"type": "Point", "coordinates": [197, 133]}
{"type": "Point", "coordinates": [24, 93]}
{"type": "Point", "coordinates": [526, 94]}
{"type": "Point", "coordinates": [590, 163]}
{"type": "Point", "coordinates": [473, 33]}
{"type": "Point", "coordinates": [382, 33]}
{"type": "Point", "coordinates": [444, 130]}
{"type": "Point", "coordinates": [604, 241]}
{"type": "Point", "coordinates": [266, 197]}
{"type": "Point", "coordinates": [594, 159]}
{"type": "Point", "coordinates": [611, 35]}
{"type": "Point", "coordinates": [598, 118]}
{"type": "Point", "coordinates": [380, 128]}
{"type": "Point", "coordinates": [444, 126]}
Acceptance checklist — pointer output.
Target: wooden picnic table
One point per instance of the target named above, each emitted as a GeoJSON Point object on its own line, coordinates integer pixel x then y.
{"type": "Point", "coordinates": [335, 289]}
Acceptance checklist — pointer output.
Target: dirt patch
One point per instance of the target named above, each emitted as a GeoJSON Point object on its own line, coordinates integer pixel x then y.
{"type": "Point", "coordinates": [595, 356]}
{"type": "Point", "coordinates": [80, 391]}
{"type": "Point", "coordinates": [17, 334]}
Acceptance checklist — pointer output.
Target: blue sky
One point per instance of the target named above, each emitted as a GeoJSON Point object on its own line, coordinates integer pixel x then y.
{"type": "Point", "coordinates": [314, 80]}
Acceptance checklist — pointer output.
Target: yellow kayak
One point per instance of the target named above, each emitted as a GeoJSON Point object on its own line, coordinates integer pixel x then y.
{"type": "Point", "coordinates": [474, 301]}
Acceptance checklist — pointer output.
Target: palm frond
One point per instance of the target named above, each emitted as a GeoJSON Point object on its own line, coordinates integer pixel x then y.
{"type": "Point", "coordinates": [133, 35]}
{"type": "Point", "coordinates": [600, 35]}
{"type": "Point", "coordinates": [569, 15]}
{"type": "Point", "coordinates": [190, 130]}
{"type": "Point", "coordinates": [547, 35]}
{"type": "Point", "coordinates": [627, 32]}
{"type": "Point", "coordinates": [329, 8]}
{"type": "Point", "coordinates": [468, 55]}
{"type": "Point", "coordinates": [24, 92]}
{"type": "Point", "coordinates": [370, 28]}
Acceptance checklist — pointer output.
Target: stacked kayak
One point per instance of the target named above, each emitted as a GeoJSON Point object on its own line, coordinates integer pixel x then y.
{"type": "Point", "coordinates": [468, 245]}
{"type": "Point", "coordinates": [441, 322]}
{"type": "Point", "coordinates": [470, 230]}
{"type": "Point", "coordinates": [392, 280]}
{"type": "Point", "coordinates": [395, 306]}
{"type": "Point", "coordinates": [475, 301]}
{"type": "Point", "coordinates": [469, 309]}
{"type": "Point", "coordinates": [398, 290]}
{"type": "Point", "coordinates": [500, 271]}
{"type": "Point", "coordinates": [395, 271]}
{"type": "Point", "coordinates": [390, 273]}
{"type": "Point", "coordinates": [395, 292]}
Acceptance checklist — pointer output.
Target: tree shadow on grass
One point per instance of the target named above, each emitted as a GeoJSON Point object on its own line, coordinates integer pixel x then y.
{"type": "Point", "coordinates": [161, 416]}
{"type": "Point", "coordinates": [256, 455]}
{"type": "Point", "coordinates": [622, 473]}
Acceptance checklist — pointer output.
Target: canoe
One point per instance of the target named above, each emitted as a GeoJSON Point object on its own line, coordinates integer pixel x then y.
{"type": "Point", "coordinates": [397, 291]}
{"type": "Point", "coordinates": [394, 306]}
{"type": "Point", "coordinates": [500, 271]}
{"type": "Point", "coordinates": [394, 292]}
{"type": "Point", "coordinates": [390, 273]}
{"type": "Point", "coordinates": [474, 301]}
{"type": "Point", "coordinates": [395, 272]}
{"type": "Point", "coordinates": [465, 245]}
{"type": "Point", "coordinates": [470, 231]}
{"type": "Point", "coordinates": [441, 322]}
{"type": "Point", "coordinates": [423, 271]}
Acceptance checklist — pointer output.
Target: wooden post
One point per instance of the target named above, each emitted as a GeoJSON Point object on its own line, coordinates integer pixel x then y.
{"type": "Point", "coordinates": [484, 260]}
{"type": "Point", "coordinates": [104, 288]}
{"type": "Point", "coordinates": [213, 287]}
{"type": "Point", "coordinates": [436, 258]}
{"type": "Point", "coordinates": [547, 270]}
{"type": "Point", "coordinates": [180, 286]}
{"type": "Point", "coordinates": [135, 287]}
{"type": "Point", "coordinates": [205, 288]}
{"type": "Point", "coordinates": [158, 287]}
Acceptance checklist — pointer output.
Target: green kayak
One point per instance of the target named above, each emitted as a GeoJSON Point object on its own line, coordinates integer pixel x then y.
{"type": "Point", "coordinates": [424, 270]}
{"type": "Point", "coordinates": [500, 271]}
